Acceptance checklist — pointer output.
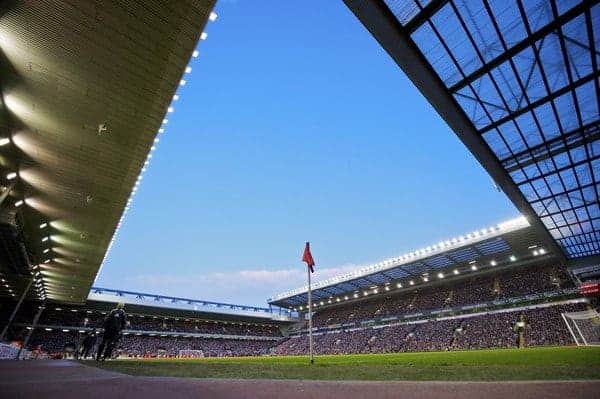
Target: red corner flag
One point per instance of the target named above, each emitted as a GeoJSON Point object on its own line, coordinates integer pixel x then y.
{"type": "Point", "coordinates": [307, 257]}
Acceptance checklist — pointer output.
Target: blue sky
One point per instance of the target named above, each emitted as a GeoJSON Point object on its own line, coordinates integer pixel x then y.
{"type": "Point", "coordinates": [294, 125]}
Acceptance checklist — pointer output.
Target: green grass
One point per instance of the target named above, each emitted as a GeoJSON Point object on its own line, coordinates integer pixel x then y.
{"type": "Point", "coordinates": [554, 363]}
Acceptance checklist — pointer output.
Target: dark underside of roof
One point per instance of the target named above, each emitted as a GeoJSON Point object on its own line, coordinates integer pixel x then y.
{"type": "Point", "coordinates": [84, 87]}
{"type": "Point", "coordinates": [518, 82]}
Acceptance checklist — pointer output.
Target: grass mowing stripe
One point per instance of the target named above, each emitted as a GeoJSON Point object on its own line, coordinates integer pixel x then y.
{"type": "Point", "coordinates": [484, 365]}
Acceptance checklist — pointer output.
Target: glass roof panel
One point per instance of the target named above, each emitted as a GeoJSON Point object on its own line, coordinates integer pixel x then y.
{"type": "Point", "coordinates": [533, 99]}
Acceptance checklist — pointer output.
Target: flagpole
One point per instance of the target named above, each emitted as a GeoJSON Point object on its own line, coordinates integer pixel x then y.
{"type": "Point", "coordinates": [310, 324]}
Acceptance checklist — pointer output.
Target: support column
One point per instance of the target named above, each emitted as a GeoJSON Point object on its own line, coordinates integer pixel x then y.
{"type": "Point", "coordinates": [33, 325]}
{"type": "Point", "coordinates": [15, 310]}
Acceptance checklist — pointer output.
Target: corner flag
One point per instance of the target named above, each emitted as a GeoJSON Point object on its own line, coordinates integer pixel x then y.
{"type": "Point", "coordinates": [310, 262]}
{"type": "Point", "coordinates": [307, 257]}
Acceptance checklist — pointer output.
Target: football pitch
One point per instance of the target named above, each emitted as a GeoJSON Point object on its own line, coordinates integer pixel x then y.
{"type": "Point", "coordinates": [550, 363]}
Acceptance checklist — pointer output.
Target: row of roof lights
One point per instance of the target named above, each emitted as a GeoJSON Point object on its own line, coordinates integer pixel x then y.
{"type": "Point", "coordinates": [38, 276]}
{"type": "Point", "coordinates": [425, 278]}
{"type": "Point", "coordinates": [411, 256]}
{"type": "Point", "coordinates": [170, 109]}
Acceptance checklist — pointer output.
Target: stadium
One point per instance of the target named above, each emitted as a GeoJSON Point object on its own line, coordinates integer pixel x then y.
{"type": "Point", "coordinates": [87, 90]}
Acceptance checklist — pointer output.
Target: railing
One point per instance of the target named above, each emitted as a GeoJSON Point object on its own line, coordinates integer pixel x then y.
{"type": "Point", "coordinates": [473, 309]}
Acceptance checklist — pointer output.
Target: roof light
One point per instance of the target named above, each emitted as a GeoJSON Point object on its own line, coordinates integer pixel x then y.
{"type": "Point", "coordinates": [188, 69]}
{"type": "Point", "coordinates": [213, 16]}
{"type": "Point", "coordinates": [542, 251]}
{"type": "Point", "coordinates": [399, 285]}
{"type": "Point", "coordinates": [365, 293]}
{"type": "Point", "coordinates": [47, 261]}
{"type": "Point", "coordinates": [440, 275]}
{"type": "Point", "coordinates": [426, 279]}
{"type": "Point", "coordinates": [513, 258]}
{"type": "Point", "coordinates": [493, 263]}
{"type": "Point", "coordinates": [456, 271]}
{"type": "Point", "coordinates": [375, 291]}
{"type": "Point", "coordinates": [337, 299]}
{"type": "Point", "coordinates": [182, 82]}
{"type": "Point", "coordinates": [355, 295]}
{"type": "Point", "coordinates": [43, 225]}
{"type": "Point", "coordinates": [387, 288]}
{"type": "Point", "coordinates": [411, 282]}
{"type": "Point", "coordinates": [11, 175]}
{"type": "Point", "coordinates": [175, 97]}
{"type": "Point", "coordinates": [4, 141]}
{"type": "Point", "coordinates": [203, 36]}
{"type": "Point", "coordinates": [19, 203]}
{"type": "Point", "coordinates": [195, 54]}
{"type": "Point", "coordinates": [473, 267]}
{"type": "Point", "coordinates": [46, 250]}
{"type": "Point", "coordinates": [321, 303]}
{"type": "Point", "coordinates": [536, 252]}
{"type": "Point", "coordinates": [170, 109]}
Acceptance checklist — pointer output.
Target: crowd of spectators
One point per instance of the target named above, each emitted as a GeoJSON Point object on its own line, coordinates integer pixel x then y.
{"type": "Point", "coordinates": [543, 326]}
{"type": "Point", "coordinates": [470, 291]}
{"type": "Point", "coordinates": [131, 345]}
{"type": "Point", "coordinates": [145, 346]}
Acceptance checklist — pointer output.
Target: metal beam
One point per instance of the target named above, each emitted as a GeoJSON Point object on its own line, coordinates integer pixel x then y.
{"type": "Point", "coordinates": [427, 12]}
{"type": "Point", "coordinates": [6, 192]}
{"type": "Point", "coordinates": [522, 45]}
{"type": "Point", "coordinates": [582, 136]}
{"type": "Point", "coordinates": [386, 29]}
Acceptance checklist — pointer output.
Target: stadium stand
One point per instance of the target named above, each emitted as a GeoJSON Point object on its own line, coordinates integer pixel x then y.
{"type": "Point", "coordinates": [494, 330]}
{"type": "Point", "coordinates": [471, 291]}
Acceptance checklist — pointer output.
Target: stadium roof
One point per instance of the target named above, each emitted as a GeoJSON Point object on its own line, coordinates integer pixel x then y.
{"type": "Point", "coordinates": [85, 87]}
{"type": "Point", "coordinates": [509, 244]}
{"type": "Point", "coordinates": [139, 302]}
{"type": "Point", "coordinates": [518, 83]}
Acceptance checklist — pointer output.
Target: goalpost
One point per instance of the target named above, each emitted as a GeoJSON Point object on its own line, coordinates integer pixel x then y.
{"type": "Point", "coordinates": [190, 353]}
{"type": "Point", "coordinates": [584, 326]}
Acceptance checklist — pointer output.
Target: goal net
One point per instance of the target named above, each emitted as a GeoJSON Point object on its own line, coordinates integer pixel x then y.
{"type": "Point", "coordinates": [190, 353]}
{"type": "Point", "coordinates": [584, 326]}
